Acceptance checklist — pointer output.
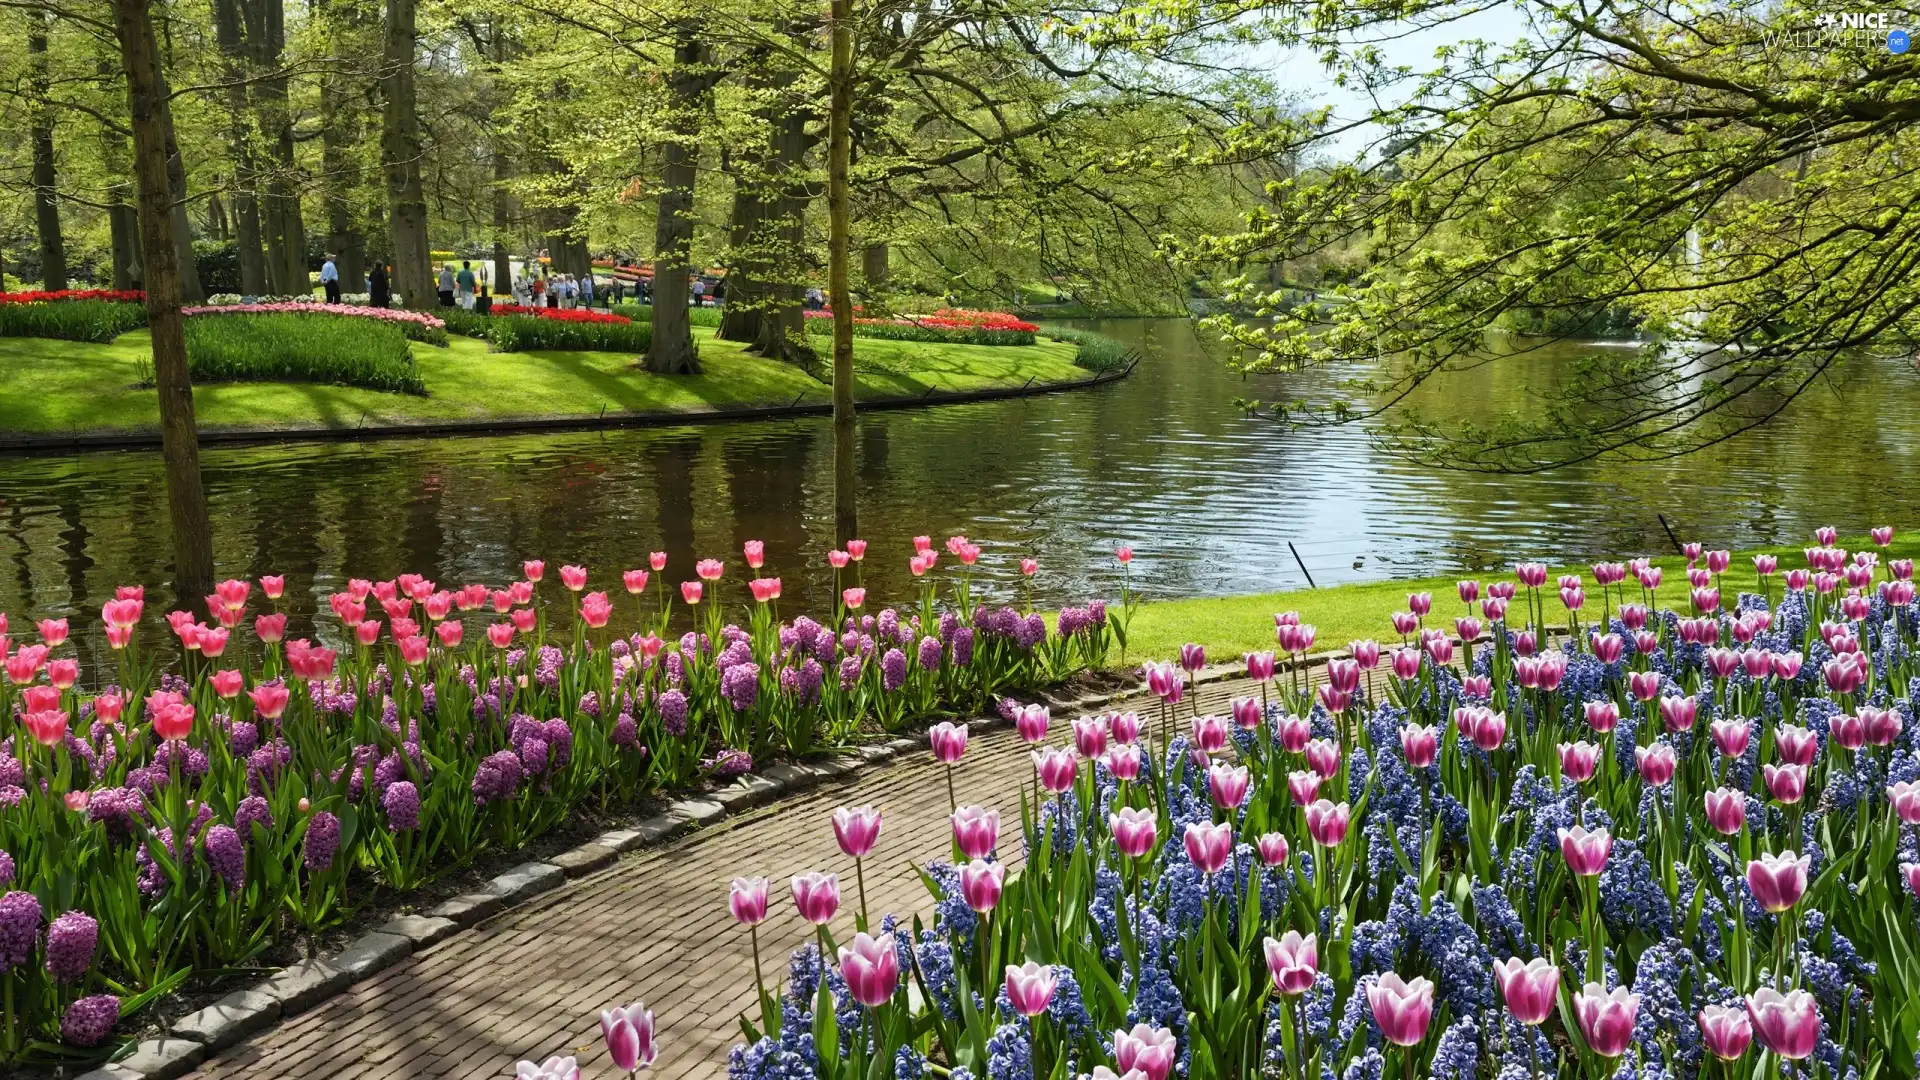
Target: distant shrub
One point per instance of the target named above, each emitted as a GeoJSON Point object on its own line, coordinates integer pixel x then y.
{"type": "Point", "coordinates": [1095, 352]}
{"type": "Point", "coordinates": [70, 320]}
{"type": "Point", "coordinates": [302, 348]}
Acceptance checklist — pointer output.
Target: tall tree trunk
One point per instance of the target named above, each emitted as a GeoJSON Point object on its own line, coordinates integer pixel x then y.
{"type": "Point", "coordinates": [246, 208]}
{"type": "Point", "coordinates": [286, 233]}
{"type": "Point", "coordinates": [747, 262]}
{"type": "Point", "coordinates": [783, 329]}
{"type": "Point", "coordinates": [498, 40]}
{"type": "Point", "coordinates": [46, 204]}
{"type": "Point", "coordinates": [339, 130]}
{"type": "Point", "coordinates": [154, 156]}
{"type": "Point", "coordinates": [671, 351]}
{"type": "Point", "coordinates": [186, 273]}
{"type": "Point", "coordinates": [874, 274]}
{"type": "Point", "coordinates": [846, 517]}
{"type": "Point", "coordinates": [400, 149]}
{"type": "Point", "coordinates": [123, 226]}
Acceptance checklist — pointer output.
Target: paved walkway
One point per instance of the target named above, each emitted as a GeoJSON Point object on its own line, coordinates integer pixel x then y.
{"type": "Point", "coordinates": [530, 982]}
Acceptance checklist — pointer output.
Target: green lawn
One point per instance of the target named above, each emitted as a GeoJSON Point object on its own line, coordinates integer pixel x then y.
{"type": "Point", "coordinates": [67, 387]}
{"type": "Point", "coordinates": [1231, 625]}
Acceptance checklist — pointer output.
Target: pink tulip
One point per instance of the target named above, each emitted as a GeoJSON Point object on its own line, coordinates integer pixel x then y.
{"type": "Point", "coordinates": [948, 740]}
{"type": "Point", "coordinates": [1124, 554]}
{"type": "Point", "coordinates": [857, 828]}
{"type": "Point", "coordinates": [534, 569]}
{"type": "Point", "coordinates": [1489, 730]}
{"type": "Point", "coordinates": [450, 633]}
{"type": "Point", "coordinates": [500, 634]}
{"type": "Point", "coordinates": [1208, 846]}
{"type": "Point", "coordinates": [1530, 988]}
{"type": "Point", "coordinates": [1731, 736]}
{"type": "Point", "coordinates": [629, 1036]}
{"type": "Point", "coordinates": [1090, 737]}
{"type": "Point", "coordinates": [764, 589]}
{"type": "Point", "coordinates": [1402, 1010]}
{"type": "Point", "coordinates": [1294, 733]}
{"type": "Point", "coordinates": [1259, 666]}
{"type": "Point", "coordinates": [981, 884]}
{"type": "Point", "coordinates": [1293, 962]}
{"type": "Point", "coordinates": [1209, 734]}
{"type": "Point", "coordinates": [1419, 744]}
{"type": "Point", "coordinates": [1440, 649]}
{"type": "Point", "coordinates": [709, 569]}
{"type": "Point", "coordinates": [635, 581]}
{"type": "Point", "coordinates": [747, 899]}
{"type": "Point", "coordinates": [1883, 725]}
{"type": "Point", "coordinates": [1726, 810]}
{"type": "Point", "coordinates": [1911, 871]}
{"type": "Point", "coordinates": [273, 586]}
{"type": "Point", "coordinates": [1795, 745]}
{"type": "Point", "coordinates": [1656, 762]}
{"type": "Point", "coordinates": [690, 592]}
{"type": "Point", "coordinates": [1494, 608]}
{"type": "Point", "coordinates": [1787, 1024]}
{"type": "Point", "coordinates": [1606, 1019]}
{"type": "Point", "coordinates": [1246, 713]}
{"type": "Point", "coordinates": [1333, 699]}
{"type": "Point", "coordinates": [1679, 713]}
{"type": "Point", "coordinates": [1726, 1031]}
{"type": "Point", "coordinates": [573, 577]}
{"type": "Point", "coordinates": [856, 550]}
{"type": "Point", "coordinates": [1304, 786]}
{"type": "Point", "coordinates": [1644, 685]}
{"type": "Point", "coordinates": [1343, 675]}
{"type": "Point", "coordinates": [1847, 732]}
{"type": "Point", "coordinates": [1125, 727]}
{"type": "Point", "coordinates": [1602, 716]}
{"type": "Point", "coordinates": [1406, 663]}
{"type": "Point", "coordinates": [1327, 822]}
{"type": "Point", "coordinates": [838, 559]}
{"type": "Point", "coordinates": [1532, 575]}
{"type": "Point", "coordinates": [1123, 762]}
{"type": "Point", "coordinates": [1030, 987]}
{"type": "Point", "coordinates": [1778, 880]}
{"type": "Point", "coordinates": [554, 1068]}
{"type": "Point", "coordinates": [1469, 591]}
{"type": "Point", "coordinates": [107, 707]}
{"type": "Point", "coordinates": [1467, 627]}
{"type": "Point", "coordinates": [49, 727]}
{"type": "Point", "coordinates": [1585, 850]}
{"type": "Point", "coordinates": [1272, 848]}
{"type": "Point", "coordinates": [872, 970]}
{"type": "Point", "coordinates": [1786, 783]}
{"type": "Point", "coordinates": [1032, 721]}
{"type": "Point", "coordinates": [1405, 622]}
{"type": "Point", "coordinates": [1366, 653]}
{"type": "Point", "coordinates": [1578, 760]}
{"type": "Point", "coordinates": [1134, 831]}
{"type": "Point", "coordinates": [526, 620]}
{"type": "Point", "coordinates": [1228, 785]}
{"type": "Point", "coordinates": [1147, 1049]}
{"type": "Point", "coordinates": [1608, 648]}
{"type": "Point", "coordinates": [1905, 797]}
{"type": "Point", "coordinates": [817, 896]}
{"type": "Point", "coordinates": [1029, 567]}
{"type": "Point", "coordinates": [855, 598]}
{"type": "Point", "coordinates": [1192, 657]}
{"type": "Point", "coordinates": [975, 831]}
{"type": "Point", "coordinates": [1057, 768]}
{"type": "Point", "coordinates": [1323, 757]}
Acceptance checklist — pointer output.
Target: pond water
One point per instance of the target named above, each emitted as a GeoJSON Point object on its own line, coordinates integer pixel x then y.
{"type": "Point", "coordinates": [1208, 497]}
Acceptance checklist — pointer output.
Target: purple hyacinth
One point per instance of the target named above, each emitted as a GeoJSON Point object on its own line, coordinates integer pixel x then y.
{"type": "Point", "coordinates": [253, 810]}
{"type": "Point", "coordinates": [740, 685]}
{"type": "Point", "coordinates": [929, 653]}
{"type": "Point", "coordinates": [323, 838]}
{"type": "Point", "coordinates": [402, 803]}
{"type": "Point", "coordinates": [962, 646]}
{"type": "Point", "coordinates": [673, 712]}
{"type": "Point", "coordinates": [6, 869]}
{"type": "Point", "coordinates": [70, 944]}
{"type": "Point", "coordinates": [849, 672]}
{"type": "Point", "coordinates": [226, 856]}
{"type": "Point", "coordinates": [559, 743]}
{"type": "Point", "coordinates": [19, 928]}
{"type": "Point", "coordinates": [893, 670]}
{"type": "Point", "coordinates": [11, 797]}
{"type": "Point", "coordinates": [498, 777]}
{"type": "Point", "coordinates": [242, 738]}
{"type": "Point", "coordinates": [803, 682]}
{"type": "Point", "coordinates": [90, 1020]}
{"type": "Point", "coordinates": [625, 731]}
{"type": "Point", "coordinates": [12, 773]}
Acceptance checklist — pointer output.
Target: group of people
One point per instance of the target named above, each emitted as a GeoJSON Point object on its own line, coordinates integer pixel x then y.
{"type": "Point", "coordinates": [457, 287]}
{"type": "Point", "coordinates": [554, 290]}
{"type": "Point", "coordinates": [379, 288]}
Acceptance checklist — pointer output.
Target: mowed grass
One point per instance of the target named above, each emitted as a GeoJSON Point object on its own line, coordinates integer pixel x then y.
{"type": "Point", "coordinates": [63, 387]}
{"type": "Point", "coordinates": [1232, 625]}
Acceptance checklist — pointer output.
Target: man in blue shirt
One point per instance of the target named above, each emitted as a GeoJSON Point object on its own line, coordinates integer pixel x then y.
{"type": "Point", "coordinates": [330, 280]}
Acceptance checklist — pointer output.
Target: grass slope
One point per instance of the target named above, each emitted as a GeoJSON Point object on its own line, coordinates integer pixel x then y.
{"type": "Point", "coordinates": [63, 387]}
{"type": "Point", "coordinates": [1231, 625]}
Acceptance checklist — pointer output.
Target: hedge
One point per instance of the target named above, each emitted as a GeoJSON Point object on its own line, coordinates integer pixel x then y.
{"type": "Point", "coordinates": [72, 320]}
{"type": "Point", "coordinates": [521, 333]}
{"type": "Point", "coordinates": [1096, 352]}
{"type": "Point", "coordinates": [302, 348]}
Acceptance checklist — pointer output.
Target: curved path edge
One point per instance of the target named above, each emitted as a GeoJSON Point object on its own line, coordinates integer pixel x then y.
{"type": "Point", "coordinates": [40, 444]}
{"type": "Point", "coordinates": [247, 1013]}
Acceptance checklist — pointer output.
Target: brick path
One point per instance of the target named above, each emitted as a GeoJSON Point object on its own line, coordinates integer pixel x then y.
{"type": "Point", "coordinates": [530, 982]}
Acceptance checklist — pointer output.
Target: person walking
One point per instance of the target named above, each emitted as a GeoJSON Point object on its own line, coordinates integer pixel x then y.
{"type": "Point", "coordinates": [379, 292]}
{"type": "Point", "coordinates": [586, 291]}
{"type": "Point", "coordinates": [446, 285]}
{"type": "Point", "coordinates": [463, 285]}
{"type": "Point", "coordinates": [330, 280]}
{"type": "Point", "coordinates": [699, 293]}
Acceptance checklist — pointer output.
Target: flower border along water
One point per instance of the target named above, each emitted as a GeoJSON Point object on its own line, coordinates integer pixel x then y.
{"type": "Point", "coordinates": [237, 788]}
{"type": "Point", "coordinates": [1668, 842]}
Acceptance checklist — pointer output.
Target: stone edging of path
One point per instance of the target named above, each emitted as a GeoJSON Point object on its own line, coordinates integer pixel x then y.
{"type": "Point", "coordinates": [32, 444]}
{"type": "Point", "coordinates": [296, 989]}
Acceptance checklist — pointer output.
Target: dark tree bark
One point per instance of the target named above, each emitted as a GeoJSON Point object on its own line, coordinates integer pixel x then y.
{"type": "Point", "coordinates": [46, 199]}
{"type": "Point", "coordinates": [155, 159]}
{"type": "Point", "coordinates": [846, 516]}
{"type": "Point", "coordinates": [339, 130]}
{"type": "Point", "coordinates": [671, 351]}
{"type": "Point", "coordinates": [285, 231]}
{"type": "Point", "coordinates": [400, 149]}
{"type": "Point", "coordinates": [123, 226]}
{"type": "Point", "coordinates": [500, 45]}
{"type": "Point", "coordinates": [875, 273]}
{"type": "Point", "coordinates": [228, 33]}
{"type": "Point", "coordinates": [186, 273]}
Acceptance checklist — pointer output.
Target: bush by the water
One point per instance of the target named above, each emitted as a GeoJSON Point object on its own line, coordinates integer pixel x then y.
{"type": "Point", "coordinates": [302, 348]}
{"type": "Point", "coordinates": [520, 333]}
{"type": "Point", "coordinates": [1095, 352]}
{"type": "Point", "coordinates": [71, 320]}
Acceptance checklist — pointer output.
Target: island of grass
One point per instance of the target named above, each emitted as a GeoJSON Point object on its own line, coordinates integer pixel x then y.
{"type": "Point", "coordinates": [61, 389]}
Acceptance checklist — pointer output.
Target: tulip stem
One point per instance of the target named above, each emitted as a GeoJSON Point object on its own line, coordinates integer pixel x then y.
{"type": "Point", "coordinates": [759, 980]}
{"type": "Point", "coordinates": [860, 876]}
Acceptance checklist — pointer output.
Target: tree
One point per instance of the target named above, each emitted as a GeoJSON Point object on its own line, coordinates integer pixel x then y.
{"type": "Point", "coordinates": [154, 157]}
{"type": "Point", "coordinates": [229, 32]}
{"type": "Point", "coordinates": [671, 351]}
{"type": "Point", "coordinates": [401, 157]}
{"type": "Point", "coordinates": [46, 204]}
{"type": "Point", "coordinates": [1734, 180]}
{"type": "Point", "coordinates": [840, 76]}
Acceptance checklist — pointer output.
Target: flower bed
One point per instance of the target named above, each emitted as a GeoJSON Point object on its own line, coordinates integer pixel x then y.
{"type": "Point", "coordinates": [215, 800]}
{"type": "Point", "coordinates": [952, 325]}
{"type": "Point", "coordinates": [116, 296]}
{"type": "Point", "coordinates": [600, 333]}
{"type": "Point", "coordinates": [301, 347]}
{"type": "Point", "coordinates": [1672, 842]}
{"type": "Point", "coordinates": [418, 326]}
{"type": "Point", "coordinates": [72, 314]}
{"type": "Point", "coordinates": [579, 315]}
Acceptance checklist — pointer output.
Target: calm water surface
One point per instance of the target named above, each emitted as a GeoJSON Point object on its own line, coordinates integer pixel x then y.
{"type": "Point", "coordinates": [1208, 497]}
